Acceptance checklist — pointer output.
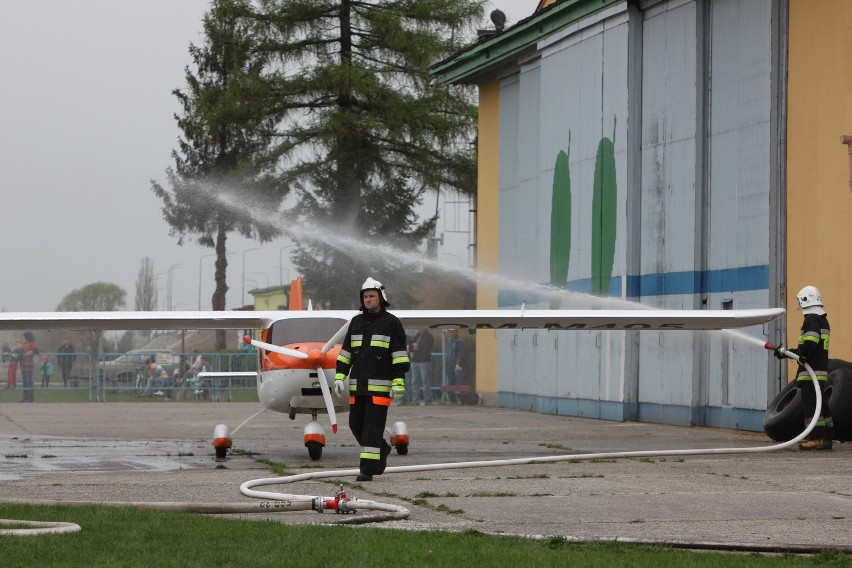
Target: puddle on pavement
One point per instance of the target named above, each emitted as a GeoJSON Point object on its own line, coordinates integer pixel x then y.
{"type": "Point", "coordinates": [23, 457]}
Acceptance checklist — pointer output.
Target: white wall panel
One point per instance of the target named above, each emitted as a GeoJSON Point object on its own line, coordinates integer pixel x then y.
{"type": "Point", "coordinates": [668, 229]}
{"type": "Point", "coordinates": [690, 141]}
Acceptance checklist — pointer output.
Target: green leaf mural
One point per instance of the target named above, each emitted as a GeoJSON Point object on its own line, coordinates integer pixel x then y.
{"type": "Point", "coordinates": [604, 210]}
{"type": "Point", "coordinates": [560, 222]}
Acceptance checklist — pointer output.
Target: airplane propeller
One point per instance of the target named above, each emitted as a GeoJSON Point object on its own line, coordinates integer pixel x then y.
{"type": "Point", "coordinates": [336, 338]}
{"type": "Point", "coordinates": [275, 348]}
{"type": "Point", "coordinates": [315, 360]}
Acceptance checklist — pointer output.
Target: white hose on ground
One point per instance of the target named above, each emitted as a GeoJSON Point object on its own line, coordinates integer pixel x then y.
{"type": "Point", "coordinates": [283, 502]}
{"type": "Point", "coordinates": [39, 527]}
{"type": "Point", "coordinates": [247, 488]}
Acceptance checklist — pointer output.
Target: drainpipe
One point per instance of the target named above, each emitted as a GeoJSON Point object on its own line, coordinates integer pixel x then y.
{"type": "Point", "coordinates": [847, 139]}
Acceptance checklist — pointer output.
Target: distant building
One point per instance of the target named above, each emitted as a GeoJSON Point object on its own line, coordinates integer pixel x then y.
{"type": "Point", "coordinates": [271, 298]}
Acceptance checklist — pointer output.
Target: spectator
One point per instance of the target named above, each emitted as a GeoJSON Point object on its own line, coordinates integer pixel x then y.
{"type": "Point", "coordinates": [215, 390]}
{"type": "Point", "coordinates": [46, 370]}
{"type": "Point", "coordinates": [14, 357]}
{"type": "Point", "coordinates": [27, 362]}
{"type": "Point", "coordinates": [156, 377]}
{"type": "Point", "coordinates": [421, 367]}
{"type": "Point", "coordinates": [455, 361]}
{"type": "Point", "coordinates": [65, 357]}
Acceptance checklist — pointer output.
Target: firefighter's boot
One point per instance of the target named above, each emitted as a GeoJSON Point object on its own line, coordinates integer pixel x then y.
{"type": "Point", "coordinates": [815, 444]}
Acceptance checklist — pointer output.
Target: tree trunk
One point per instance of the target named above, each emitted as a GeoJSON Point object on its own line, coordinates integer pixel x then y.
{"type": "Point", "coordinates": [221, 290]}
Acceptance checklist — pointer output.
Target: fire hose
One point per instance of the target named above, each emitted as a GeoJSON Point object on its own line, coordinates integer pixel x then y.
{"type": "Point", "coordinates": [342, 504]}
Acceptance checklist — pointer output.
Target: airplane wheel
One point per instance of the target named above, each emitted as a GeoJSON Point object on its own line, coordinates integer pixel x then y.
{"type": "Point", "coordinates": [221, 453]}
{"type": "Point", "coordinates": [785, 416]}
{"type": "Point", "coordinates": [314, 450]}
{"type": "Point", "coordinates": [402, 449]}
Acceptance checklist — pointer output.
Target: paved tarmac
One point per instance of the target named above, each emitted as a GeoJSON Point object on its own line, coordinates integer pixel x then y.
{"type": "Point", "coordinates": [161, 452]}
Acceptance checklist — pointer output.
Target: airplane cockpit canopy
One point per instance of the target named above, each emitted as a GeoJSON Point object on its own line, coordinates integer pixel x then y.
{"type": "Point", "coordinates": [302, 330]}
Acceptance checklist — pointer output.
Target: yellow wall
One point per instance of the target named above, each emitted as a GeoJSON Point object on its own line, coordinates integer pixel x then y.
{"type": "Point", "coordinates": [819, 202]}
{"type": "Point", "coordinates": [271, 300]}
{"type": "Point", "coordinates": [487, 209]}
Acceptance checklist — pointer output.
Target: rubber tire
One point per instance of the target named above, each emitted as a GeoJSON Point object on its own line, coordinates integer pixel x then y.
{"type": "Point", "coordinates": [840, 402]}
{"type": "Point", "coordinates": [402, 449]}
{"type": "Point", "coordinates": [834, 364]}
{"type": "Point", "coordinates": [314, 450]}
{"type": "Point", "coordinates": [785, 416]}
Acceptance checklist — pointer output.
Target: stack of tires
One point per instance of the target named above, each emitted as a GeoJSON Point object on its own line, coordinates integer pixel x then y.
{"type": "Point", "coordinates": [785, 416]}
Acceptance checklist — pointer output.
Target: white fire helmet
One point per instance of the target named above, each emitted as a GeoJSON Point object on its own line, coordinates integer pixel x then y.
{"type": "Point", "coordinates": [809, 296]}
{"type": "Point", "coordinates": [373, 284]}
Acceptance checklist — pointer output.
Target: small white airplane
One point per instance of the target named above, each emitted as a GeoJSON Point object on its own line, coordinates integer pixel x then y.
{"type": "Point", "coordinates": [297, 352]}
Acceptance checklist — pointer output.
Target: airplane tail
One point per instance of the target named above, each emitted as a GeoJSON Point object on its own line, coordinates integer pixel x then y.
{"type": "Point", "coordinates": [296, 294]}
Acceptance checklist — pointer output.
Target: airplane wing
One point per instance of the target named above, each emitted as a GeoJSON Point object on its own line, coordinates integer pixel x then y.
{"type": "Point", "coordinates": [589, 320]}
{"type": "Point", "coordinates": [578, 320]}
{"type": "Point", "coordinates": [136, 320]}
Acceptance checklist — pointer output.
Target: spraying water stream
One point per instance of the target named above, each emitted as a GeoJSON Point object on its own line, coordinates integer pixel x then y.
{"type": "Point", "coordinates": [348, 242]}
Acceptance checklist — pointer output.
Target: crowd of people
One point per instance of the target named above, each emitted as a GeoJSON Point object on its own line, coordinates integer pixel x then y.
{"type": "Point", "coordinates": [21, 362]}
{"type": "Point", "coordinates": [159, 382]}
{"type": "Point", "coordinates": [420, 381]}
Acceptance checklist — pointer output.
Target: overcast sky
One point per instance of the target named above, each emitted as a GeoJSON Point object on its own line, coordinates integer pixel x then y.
{"type": "Point", "coordinates": [86, 121]}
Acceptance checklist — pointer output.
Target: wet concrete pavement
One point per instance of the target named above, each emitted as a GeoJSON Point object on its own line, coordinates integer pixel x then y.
{"type": "Point", "coordinates": [161, 452]}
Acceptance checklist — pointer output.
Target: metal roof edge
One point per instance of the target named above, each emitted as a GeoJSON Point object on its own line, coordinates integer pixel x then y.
{"type": "Point", "coordinates": [494, 51]}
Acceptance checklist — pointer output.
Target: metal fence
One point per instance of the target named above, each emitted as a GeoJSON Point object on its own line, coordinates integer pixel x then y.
{"type": "Point", "coordinates": [55, 377]}
{"type": "Point", "coordinates": [126, 375]}
{"type": "Point", "coordinates": [122, 376]}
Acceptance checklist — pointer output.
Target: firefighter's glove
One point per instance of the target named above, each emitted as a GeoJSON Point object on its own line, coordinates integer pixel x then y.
{"type": "Point", "coordinates": [779, 352]}
{"type": "Point", "coordinates": [398, 390]}
{"type": "Point", "coordinates": [340, 386]}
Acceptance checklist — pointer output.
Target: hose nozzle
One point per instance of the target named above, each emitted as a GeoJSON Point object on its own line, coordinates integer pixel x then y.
{"type": "Point", "coordinates": [780, 351]}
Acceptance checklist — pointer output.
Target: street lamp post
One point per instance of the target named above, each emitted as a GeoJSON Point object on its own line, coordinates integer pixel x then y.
{"type": "Point", "coordinates": [157, 285]}
{"type": "Point", "coordinates": [243, 297]}
{"type": "Point", "coordinates": [169, 283]}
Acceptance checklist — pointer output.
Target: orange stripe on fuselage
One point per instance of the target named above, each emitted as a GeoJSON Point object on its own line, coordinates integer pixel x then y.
{"type": "Point", "coordinates": [276, 361]}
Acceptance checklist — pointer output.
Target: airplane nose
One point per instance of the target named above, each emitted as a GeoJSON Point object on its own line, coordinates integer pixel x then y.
{"type": "Point", "coordinates": [316, 359]}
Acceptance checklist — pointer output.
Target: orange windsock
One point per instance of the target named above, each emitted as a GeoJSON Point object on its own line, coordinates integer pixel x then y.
{"type": "Point", "coordinates": [296, 294]}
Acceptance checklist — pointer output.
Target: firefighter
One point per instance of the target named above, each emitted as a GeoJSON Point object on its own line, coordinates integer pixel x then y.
{"type": "Point", "coordinates": [813, 350]}
{"type": "Point", "coordinates": [375, 358]}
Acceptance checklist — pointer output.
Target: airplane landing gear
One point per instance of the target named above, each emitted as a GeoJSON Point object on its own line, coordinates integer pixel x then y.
{"type": "Point", "coordinates": [314, 438]}
{"type": "Point", "coordinates": [221, 442]}
{"type": "Point", "coordinates": [399, 438]}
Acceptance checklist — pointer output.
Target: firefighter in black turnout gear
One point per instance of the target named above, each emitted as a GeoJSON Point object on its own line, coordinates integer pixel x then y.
{"type": "Point", "coordinates": [375, 358]}
{"type": "Point", "coordinates": [813, 350]}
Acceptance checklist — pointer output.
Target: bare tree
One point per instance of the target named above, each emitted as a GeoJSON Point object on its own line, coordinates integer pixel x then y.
{"type": "Point", "coordinates": [146, 287]}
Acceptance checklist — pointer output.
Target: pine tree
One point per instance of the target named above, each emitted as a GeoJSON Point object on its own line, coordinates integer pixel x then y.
{"type": "Point", "coordinates": [221, 167]}
{"type": "Point", "coordinates": [362, 136]}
